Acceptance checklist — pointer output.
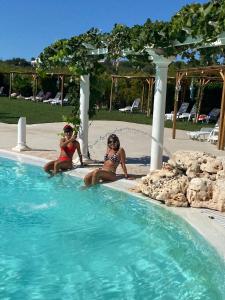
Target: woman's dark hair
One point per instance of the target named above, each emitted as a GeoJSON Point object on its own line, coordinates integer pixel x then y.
{"type": "Point", "coordinates": [113, 138]}
{"type": "Point", "coordinates": [67, 128]}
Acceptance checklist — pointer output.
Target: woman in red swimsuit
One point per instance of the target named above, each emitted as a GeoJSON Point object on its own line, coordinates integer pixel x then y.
{"type": "Point", "coordinates": [68, 145]}
{"type": "Point", "coordinates": [113, 157]}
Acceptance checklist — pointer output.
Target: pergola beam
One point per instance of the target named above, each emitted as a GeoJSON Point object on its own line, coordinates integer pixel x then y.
{"type": "Point", "coordinates": [35, 79]}
{"type": "Point", "coordinates": [179, 77]}
{"type": "Point", "coordinates": [160, 92]}
{"type": "Point", "coordinates": [204, 80]}
{"type": "Point", "coordinates": [220, 41]}
{"type": "Point", "coordinates": [221, 142]}
{"type": "Point", "coordinates": [148, 79]}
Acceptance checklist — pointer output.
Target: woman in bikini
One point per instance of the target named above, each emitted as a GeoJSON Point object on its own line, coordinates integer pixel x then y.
{"type": "Point", "coordinates": [68, 145]}
{"type": "Point", "coordinates": [113, 157]}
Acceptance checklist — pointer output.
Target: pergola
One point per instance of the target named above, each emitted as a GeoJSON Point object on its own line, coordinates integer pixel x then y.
{"type": "Point", "coordinates": [162, 62]}
{"type": "Point", "coordinates": [157, 133]}
{"type": "Point", "coordinates": [150, 81]}
{"type": "Point", "coordinates": [35, 76]}
{"type": "Point", "coordinates": [204, 75]}
{"type": "Point", "coordinates": [155, 52]}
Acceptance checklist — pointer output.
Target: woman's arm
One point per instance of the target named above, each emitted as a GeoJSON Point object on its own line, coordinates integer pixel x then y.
{"type": "Point", "coordinates": [64, 142]}
{"type": "Point", "coordinates": [79, 152]}
{"type": "Point", "coordinates": [123, 162]}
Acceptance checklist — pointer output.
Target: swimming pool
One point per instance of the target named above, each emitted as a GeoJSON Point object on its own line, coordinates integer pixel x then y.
{"type": "Point", "coordinates": [61, 242]}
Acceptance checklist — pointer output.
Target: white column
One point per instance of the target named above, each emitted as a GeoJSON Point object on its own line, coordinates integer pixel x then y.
{"type": "Point", "coordinates": [21, 136]}
{"type": "Point", "coordinates": [162, 63]}
{"type": "Point", "coordinates": [158, 114]}
{"type": "Point", "coordinates": [84, 106]}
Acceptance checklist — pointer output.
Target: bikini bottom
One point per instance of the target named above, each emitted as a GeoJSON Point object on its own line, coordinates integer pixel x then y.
{"type": "Point", "coordinates": [64, 158]}
{"type": "Point", "coordinates": [110, 171]}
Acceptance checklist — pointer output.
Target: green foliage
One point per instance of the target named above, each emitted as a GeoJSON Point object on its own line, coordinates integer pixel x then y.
{"type": "Point", "coordinates": [15, 64]}
{"type": "Point", "coordinates": [17, 61]}
{"type": "Point", "coordinates": [22, 85]}
{"type": "Point", "coordinates": [118, 40]}
{"type": "Point", "coordinates": [48, 83]}
{"type": "Point", "coordinates": [74, 116]}
{"type": "Point", "coordinates": [72, 119]}
{"type": "Point", "coordinates": [4, 80]}
{"type": "Point", "coordinates": [18, 65]}
{"type": "Point", "coordinates": [204, 22]}
{"type": "Point", "coordinates": [201, 23]}
{"type": "Point", "coordinates": [212, 97]}
{"type": "Point", "coordinates": [73, 53]}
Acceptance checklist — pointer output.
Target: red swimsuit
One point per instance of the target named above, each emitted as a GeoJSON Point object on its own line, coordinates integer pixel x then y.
{"type": "Point", "coordinates": [69, 150]}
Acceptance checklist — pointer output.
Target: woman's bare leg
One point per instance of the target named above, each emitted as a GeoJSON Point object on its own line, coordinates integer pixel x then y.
{"type": "Point", "coordinates": [64, 165]}
{"type": "Point", "coordinates": [88, 178]}
{"type": "Point", "coordinates": [102, 174]}
{"type": "Point", "coordinates": [49, 167]}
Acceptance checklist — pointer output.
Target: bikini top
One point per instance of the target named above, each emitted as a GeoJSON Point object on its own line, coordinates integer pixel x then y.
{"type": "Point", "coordinates": [69, 149]}
{"type": "Point", "coordinates": [114, 158]}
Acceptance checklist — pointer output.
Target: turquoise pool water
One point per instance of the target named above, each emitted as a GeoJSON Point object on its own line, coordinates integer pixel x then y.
{"type": "Point", "coordinates": [61, 242]}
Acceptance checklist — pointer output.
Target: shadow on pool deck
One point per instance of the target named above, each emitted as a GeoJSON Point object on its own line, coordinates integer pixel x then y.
{"type": "Point", "coordinates": [44, 150]}
{"type": "Point", "coordinates": [144, 160]}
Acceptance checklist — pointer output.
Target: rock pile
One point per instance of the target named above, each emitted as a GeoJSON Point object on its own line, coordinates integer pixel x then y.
{"type": "Point", "coordinates": [195, 179]}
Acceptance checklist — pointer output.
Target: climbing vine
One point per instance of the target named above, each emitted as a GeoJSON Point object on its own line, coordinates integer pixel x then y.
{"type": "Point", "coordinates": [202, 21]}
{"type": "Point", "coordinates": [200, 24]}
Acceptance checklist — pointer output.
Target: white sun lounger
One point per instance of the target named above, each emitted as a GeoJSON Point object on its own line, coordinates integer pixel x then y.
{"type": "Point", "coordinates": [200, 135]}
{"type": "Point", "coordinates": [214, 135]}
{"type": "Point", "coordinates": [189, 115]}
{"type": "Point", "coordinates": [59, 101]}
{"type": "Point", "coordinates": [135, 105]}
{"type": "Point", "coordinates": [57, 98]}
{"type": "Point", "coordinates": [183, 108]}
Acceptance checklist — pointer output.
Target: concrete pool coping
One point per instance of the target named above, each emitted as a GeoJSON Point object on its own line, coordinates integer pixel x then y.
{"type": "Point", "coordinates": [200, 219]}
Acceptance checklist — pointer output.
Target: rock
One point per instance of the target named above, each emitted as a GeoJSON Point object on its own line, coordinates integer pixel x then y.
{"type": "Point", "coordinates": [193, 170]}
{"type": "Point", "coordinates": [190, 178]}
{"type": "Point", "coordinates": [218, 198]}
{"type": "Point", "coordinates": [204, 175]}
{"type": "Point", "coordinates": [198, 184]}
{"type": "Point", "coordinates": [160, 187]}
{"type": "Point", "coordinates": [220, 174]}
{"type": "Point", "coordinates": [212, 198]}
{"type": "Point", "coordinates": [178, 200]}
{"type": "Point", "coordinates": [222, 159]}
{"type": "Point", "coordinates": [199, 191]}
{"type": "Point", "coordinates": [212, 165]}
{"type": "Point", "coordinates": [186, 159]}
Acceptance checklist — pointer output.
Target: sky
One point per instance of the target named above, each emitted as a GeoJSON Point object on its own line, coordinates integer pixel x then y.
{"type": "Point", "coordinates": [28, 26]}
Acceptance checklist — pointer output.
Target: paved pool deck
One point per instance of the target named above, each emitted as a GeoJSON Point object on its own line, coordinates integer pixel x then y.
{"type": "Point", "coordinates": [43, 140]}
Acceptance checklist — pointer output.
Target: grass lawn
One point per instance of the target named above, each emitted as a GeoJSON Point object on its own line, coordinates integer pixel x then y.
{"type": "Point", "coordinates": [141, 118]}
{"type": "Point", "coordinates": [11, 110]}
